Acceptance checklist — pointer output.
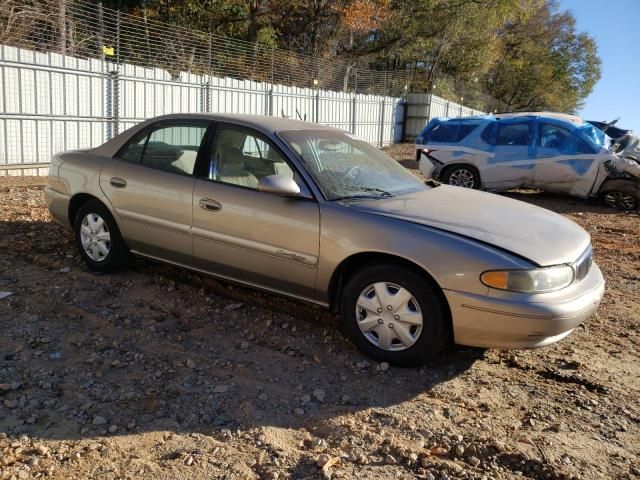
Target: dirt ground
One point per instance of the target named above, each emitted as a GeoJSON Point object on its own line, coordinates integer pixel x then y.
{"type": "Point", "coordinates": [160, 373]}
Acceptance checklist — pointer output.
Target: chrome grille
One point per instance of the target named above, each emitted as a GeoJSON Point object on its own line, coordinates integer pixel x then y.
{"type": "Point", "coordinates": [583, 264]}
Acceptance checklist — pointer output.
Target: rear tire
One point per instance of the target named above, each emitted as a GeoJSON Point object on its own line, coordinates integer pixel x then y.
{"type": "Point", "coordinates": [394, 315]}
{"type": "Point", "coordinates": [98, 238]}
{"type": "Point", "coordinates": [621, 194]}
{"type": "Point", "coordinates": [461, 176]}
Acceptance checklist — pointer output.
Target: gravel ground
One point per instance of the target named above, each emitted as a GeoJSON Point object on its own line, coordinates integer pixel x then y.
{"type": "Point", "coordinates": [160, 373]}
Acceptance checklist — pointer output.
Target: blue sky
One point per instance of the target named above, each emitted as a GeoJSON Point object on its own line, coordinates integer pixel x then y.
{"type": "Point", "coordinates": [615, 25]}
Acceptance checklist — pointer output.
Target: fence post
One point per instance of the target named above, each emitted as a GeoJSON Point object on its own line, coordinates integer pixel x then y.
{"type": "Point", "coordinates": [355, 82]}
{"type": "Point", "coordinates": [429, 101]}
{"type": "Point", "coordinates": [113, 104]}
{"type": "Point", "coordinates": [273, 65]}
{"type": "Point", "coordinates": [269, 98]}
{"type": "Point", "coordinates": [381, 137]}
{"type": "Point", "coordinates": [316, 83]}
{"type": "Point", "coordinates": [354, 106]}
{"type": "Point", "coordinates": [100, 30]}
{"type": "Point", "coordinates": [207, 85]}
{"type": "Point", "coordinates": [115, 109]}
{"type": "Point", "coordinates": [447, 114]}
{"type": "Point", "coordinates": [405, 115]}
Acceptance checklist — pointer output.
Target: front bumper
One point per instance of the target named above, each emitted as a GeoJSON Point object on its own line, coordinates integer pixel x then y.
{"type": "Point", "coordinates": [483, 321]}
{"type": "Point", "coordinates": [429, 166]}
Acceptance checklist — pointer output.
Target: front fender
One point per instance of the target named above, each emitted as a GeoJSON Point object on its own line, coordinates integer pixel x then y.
{"type": "Point", "coordinates": [453, 261]}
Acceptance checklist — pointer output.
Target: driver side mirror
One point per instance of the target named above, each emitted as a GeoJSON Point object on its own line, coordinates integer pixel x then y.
{"type": "Point", "coordinates": [279, 185]}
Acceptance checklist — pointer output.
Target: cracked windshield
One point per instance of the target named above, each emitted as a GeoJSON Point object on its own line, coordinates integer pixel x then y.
{"type": "Point", "coordinates": [345, 167]}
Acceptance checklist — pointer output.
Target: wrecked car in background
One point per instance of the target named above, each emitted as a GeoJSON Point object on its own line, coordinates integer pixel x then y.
{"type": "Point", "coordinates": [553, 152]}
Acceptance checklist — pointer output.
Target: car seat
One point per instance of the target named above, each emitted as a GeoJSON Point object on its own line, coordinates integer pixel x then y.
{"type": "Point", "coordinates": [231, 169]}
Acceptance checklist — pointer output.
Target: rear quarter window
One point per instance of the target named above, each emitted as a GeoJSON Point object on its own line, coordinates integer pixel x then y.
{"type": "Point", "coordinates": [449, 132]}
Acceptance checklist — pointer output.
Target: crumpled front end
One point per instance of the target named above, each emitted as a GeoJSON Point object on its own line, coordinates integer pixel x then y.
{"type": "Point", "coordinates": [626, 165]}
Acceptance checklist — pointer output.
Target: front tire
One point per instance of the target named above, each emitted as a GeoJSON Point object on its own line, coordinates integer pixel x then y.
{"type": "Point", "coordinates": [621, 194]}
{"type": "Point", "coordinates": [394, 315]}
{"type": "Point", "coordinates": [461, 176]}
{"type": "Point", "coordinates": [98, 238]}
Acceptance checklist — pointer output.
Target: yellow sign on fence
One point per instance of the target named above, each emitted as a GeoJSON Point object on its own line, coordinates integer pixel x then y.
{"type": "Point", "coordinates": [109, 51]}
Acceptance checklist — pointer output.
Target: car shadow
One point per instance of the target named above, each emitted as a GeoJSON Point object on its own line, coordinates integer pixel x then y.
{"type": "Point", "coordinates": [156, 348]}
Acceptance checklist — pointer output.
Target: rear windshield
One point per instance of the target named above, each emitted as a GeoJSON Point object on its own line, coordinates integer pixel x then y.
{"type": "Point", "coordinates": [448, 132]}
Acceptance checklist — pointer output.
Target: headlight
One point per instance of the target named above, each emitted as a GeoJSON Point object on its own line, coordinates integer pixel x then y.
{"type": "Point", "coordinates": [529, 281]}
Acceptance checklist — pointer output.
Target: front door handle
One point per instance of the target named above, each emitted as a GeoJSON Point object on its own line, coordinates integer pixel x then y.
{"type": "Point", "coordinates": [210, 205]}
{"type": "Point", "coordinates": [118, 182]}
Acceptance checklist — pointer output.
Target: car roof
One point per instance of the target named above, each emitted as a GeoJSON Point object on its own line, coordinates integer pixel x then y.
{"type": "Point", "coordinates": [566, 117]}
{"type": "Point", "coordinates": [263, 123]}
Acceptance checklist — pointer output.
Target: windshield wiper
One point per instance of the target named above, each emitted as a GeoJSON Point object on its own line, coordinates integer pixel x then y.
{"type": "Point", "coordinates": [355, 197]}
{"type": "Point", "coordinates": [384, 193]}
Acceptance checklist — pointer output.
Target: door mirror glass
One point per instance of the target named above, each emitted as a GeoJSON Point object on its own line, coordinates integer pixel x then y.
{"type": "Point", "coordinates": [279, 185]}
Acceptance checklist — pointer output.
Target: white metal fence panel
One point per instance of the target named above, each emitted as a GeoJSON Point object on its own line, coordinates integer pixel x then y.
{"type": "Point", "coordinates": [48, 104]}
{"type": "Point", "coordinates": [230, 95]}
{"type": "Point", "coordinates": [422, 107]}
{"type": "Point", "coordinates": [336, 110]}
{"type": "Point", "coordinates": [293, 102]}
{"type": "Point", "coordinates": [51, 103]}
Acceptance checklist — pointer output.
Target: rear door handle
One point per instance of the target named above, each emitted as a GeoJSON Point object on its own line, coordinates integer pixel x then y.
{"type": "Point", "coordinates": [210, 205]}
{"type": "Point", "coordinates": [118, 182]}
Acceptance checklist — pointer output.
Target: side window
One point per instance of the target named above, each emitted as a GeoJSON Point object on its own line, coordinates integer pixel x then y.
{"type": "Point", "coordinates": [174, 147]}
{"type": "Point", "coordinates": [132, 151]}
{"type": "Point", "coordinates": [553, 136]}
{"type": "Point", "coordinates": [584, 147]}
{"type": "Point", "coordinates": [562, 139]}
{"type": "Point", "coordinates": [243, 157]}
{"type": "Point", "coordinates": [489, 133]}
{"type": "Point", "coordinates": [255, 147]}
{"type": "Point", "coordinates": [513, 134]}
{"type": "Point", "coordinates": [449, 132]}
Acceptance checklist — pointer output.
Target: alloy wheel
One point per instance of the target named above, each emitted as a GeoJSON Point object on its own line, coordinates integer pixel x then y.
{"type": "Point", "coordinates": [462, 177]}
{"type": "Point", "coordinates": [618, 199]}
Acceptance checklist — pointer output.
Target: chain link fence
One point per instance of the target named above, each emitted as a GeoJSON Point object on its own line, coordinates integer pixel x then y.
{"type": "Point", "coordinates": [86, 29]}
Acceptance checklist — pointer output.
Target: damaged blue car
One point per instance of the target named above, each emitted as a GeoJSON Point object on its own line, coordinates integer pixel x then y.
{"type": "Point", "coordinates": [547, 151]}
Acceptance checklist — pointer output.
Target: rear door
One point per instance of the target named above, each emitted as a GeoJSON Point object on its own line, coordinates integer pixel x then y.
{"type": "Point", "coordinates": [566, 163]}
{"type": "Point", "coordinates": [150, 186]}
{"type": "Point", "coordinates": [513, 157]}
{"type": "Point", "coordinates": [247, 235]}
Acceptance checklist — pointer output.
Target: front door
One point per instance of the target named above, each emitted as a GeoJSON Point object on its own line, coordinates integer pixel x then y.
{"type": "Point", "coordinates": [566, 163]}
{"type": "Point", "coordinates": [150, 186]}
{"type": "Point", "coordinates": [247, 235]}
{"type": "Point", "coordinates": [513, 157]}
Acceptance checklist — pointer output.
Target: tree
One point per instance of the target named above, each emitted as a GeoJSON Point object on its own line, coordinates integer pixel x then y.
{"type": "Point", "coordinates": [544, 63]}
{"type": "Point", "coordinates": [496, 54]}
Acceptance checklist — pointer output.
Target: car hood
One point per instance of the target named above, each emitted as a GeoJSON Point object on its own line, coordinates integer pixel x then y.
{"type": "Point", "coordinates": [535, 233]}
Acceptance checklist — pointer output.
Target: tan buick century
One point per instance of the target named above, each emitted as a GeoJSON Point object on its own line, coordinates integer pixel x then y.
{"type": "Point", "coordinates": [313, 213]}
